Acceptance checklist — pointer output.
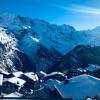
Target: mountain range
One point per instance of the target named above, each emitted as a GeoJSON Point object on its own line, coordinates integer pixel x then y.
{"type": "Point", "coordinates": [34, 45]}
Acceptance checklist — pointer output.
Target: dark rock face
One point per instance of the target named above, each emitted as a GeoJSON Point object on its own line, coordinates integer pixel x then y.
{"type": "Point", "coordinates": [47, 59]}
{"type": "Point", "coordinates": [2, 51]}
{"type": "Point", "coordinates": [81, 56]}
{"type": "Point", "coordinates": [22, 62]}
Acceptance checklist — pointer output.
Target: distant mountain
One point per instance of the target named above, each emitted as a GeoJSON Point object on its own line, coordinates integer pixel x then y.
{"type": "Point", "coordinates": [80, 57]}
{"type": "Point", "coordinates": [42, 43]}
{"type": "Point", "coordinates": [40, 30]}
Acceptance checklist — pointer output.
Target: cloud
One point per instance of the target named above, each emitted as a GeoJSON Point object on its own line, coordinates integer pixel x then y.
{"type": "Point", "coordinates": [80, 9]}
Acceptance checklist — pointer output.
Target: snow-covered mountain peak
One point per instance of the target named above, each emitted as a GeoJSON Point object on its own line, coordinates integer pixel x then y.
{"type": "Point", "coordinates": [66, 28]}
{"type": "Point", "coordinates": [14, 22]}
{"type": "Point", "coordinates": [32, 34]}
{"type": "Point", "coordinates": [57, 36]}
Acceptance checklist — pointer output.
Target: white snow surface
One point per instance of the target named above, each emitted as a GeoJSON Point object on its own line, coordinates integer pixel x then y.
{"type": "Point", "coordinates": [80, 87]}
{"type": "Point", "coordinates": [17, 81]}
{"type": "Point", "coordinates": [14, 95]}
{"type": "Point", "coordinates": [7, 45]}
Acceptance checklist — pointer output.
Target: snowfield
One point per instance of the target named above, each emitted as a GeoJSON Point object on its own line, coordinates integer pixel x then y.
{"type": "Point", "coordinates": [80, 87]}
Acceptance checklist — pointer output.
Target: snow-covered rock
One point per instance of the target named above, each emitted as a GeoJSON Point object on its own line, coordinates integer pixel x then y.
{"type": "Point", "coordinates": [7, 46]}
{"type": "Point", "coordinates": [11, 58]}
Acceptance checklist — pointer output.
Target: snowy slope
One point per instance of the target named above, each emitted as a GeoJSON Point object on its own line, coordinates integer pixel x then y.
{"type": "Point", "coordinates": [80, 87]}
{"type": "Point", "coordinates": [7, 47]}
{"type": "Point", "coordinates": [11, 58]}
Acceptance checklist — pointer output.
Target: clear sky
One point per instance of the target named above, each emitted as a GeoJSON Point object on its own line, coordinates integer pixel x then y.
{"type": "Point", "coordinates": [82, 14]}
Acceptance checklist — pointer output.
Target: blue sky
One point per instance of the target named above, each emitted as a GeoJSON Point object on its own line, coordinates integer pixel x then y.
{"type": "Point", "coordinates": [82, 14]}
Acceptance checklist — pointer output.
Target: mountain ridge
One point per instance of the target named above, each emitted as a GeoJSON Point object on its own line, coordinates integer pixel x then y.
{"type": "Point", "coordinates": [31, 35]}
